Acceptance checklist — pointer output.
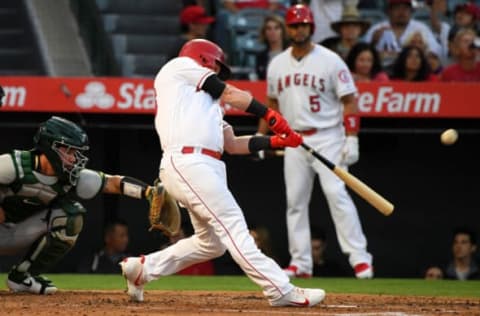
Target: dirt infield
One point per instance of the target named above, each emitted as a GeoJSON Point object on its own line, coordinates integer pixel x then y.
{"type": "Point", "coordinates": [225, 303]}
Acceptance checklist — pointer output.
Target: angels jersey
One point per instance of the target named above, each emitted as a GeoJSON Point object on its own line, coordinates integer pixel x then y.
{"type": "Point", "coordinates": [185, 112]}
{"type": "Point", "coordinates": [309, 90]}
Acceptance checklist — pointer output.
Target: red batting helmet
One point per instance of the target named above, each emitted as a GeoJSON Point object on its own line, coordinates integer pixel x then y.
{"type": "Point", "coordinates": [206, 54]}
{"type": "Point", "coordinates": [299, 13]}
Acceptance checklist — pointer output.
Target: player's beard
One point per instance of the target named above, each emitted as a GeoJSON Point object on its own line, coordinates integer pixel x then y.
{"type": "Point", "coordinates": [301, 42]}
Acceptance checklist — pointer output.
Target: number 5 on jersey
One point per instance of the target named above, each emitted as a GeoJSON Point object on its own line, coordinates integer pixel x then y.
{"type": "Point", "coordinates": [314, 103]}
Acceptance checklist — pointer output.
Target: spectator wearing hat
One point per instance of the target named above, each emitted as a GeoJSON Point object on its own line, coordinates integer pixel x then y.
{"type": "Point", "coordinates": [390, 35]}
{"type": "Point", "coordinates": [194, 23]}
{"type": "Point", "coordinates": [465, 15]}
{"type": "Point", "coordinates": [324, 13]}
{"type": "Point", "coordinates": [465, 50]}
{"type": "Point", "coordinates": [350, 28]}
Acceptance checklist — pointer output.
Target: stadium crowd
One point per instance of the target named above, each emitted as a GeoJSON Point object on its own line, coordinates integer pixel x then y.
{"type": "Point", "coordinates": [407, 40]}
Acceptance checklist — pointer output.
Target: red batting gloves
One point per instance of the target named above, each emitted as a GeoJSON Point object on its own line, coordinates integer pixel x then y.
{"type": "Point", "coordinates": [277, 123]}
{"type": "Point", "coordinates": [292, 139]}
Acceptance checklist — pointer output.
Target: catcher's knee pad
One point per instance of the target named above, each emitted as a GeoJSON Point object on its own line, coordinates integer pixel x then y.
{"type": "Point", "coordinates": [51, 247]}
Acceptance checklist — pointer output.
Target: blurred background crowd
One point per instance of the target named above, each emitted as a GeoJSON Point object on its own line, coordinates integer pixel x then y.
{"type": "Point", "coordinates": [411, 40]}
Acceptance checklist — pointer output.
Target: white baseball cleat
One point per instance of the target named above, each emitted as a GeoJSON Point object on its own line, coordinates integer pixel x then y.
{"type": "Point", "coordinates": [363, 271]}
{"type": "Point", "coordinates": [132, 270]}
{"type": "Point", "coordinates": [300, 298]}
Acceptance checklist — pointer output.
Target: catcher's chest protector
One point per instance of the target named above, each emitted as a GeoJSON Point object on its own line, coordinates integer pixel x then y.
{"type": "Point", "coordinates": [27, 194]}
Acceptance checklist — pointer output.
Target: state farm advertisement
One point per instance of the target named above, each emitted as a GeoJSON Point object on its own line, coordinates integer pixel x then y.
{"type": "Point", "coordinates": [137, 96]}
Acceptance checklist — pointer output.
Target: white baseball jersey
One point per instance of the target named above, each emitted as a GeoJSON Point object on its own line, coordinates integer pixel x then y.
{"type": "Point", "coordinates": [309, 90]}
{"type": "Point", "coordinates": [184, 112]}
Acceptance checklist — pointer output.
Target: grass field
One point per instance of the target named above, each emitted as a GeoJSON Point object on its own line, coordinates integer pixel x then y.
{"type": "Point", "coordinates": [241, 283]}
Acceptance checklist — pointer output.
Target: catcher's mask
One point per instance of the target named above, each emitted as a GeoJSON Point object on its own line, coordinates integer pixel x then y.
{"type": "Point", "coordinates": [65, 145]}
{"type": "Point", "coordinates": [206, 54]}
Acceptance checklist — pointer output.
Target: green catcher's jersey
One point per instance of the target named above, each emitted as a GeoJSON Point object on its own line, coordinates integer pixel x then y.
{"type": "Point", "coordinates": [25, 191]}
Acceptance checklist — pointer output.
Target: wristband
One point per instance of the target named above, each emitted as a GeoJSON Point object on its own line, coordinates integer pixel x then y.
{"type": "Point", "coordinates": [351, 123]}
{"type": "Point", "coordinates": [256, 108]}
{"type": "Point", "coordinates": [257, 143]}
{"type": "Point", "coordinates": [133, 187]}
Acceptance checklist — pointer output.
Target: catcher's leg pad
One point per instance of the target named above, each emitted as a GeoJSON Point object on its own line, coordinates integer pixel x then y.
{"type": "Point", "coordinates": [164, 213]}
{"type": "Point", "coordinates": [63, 232]}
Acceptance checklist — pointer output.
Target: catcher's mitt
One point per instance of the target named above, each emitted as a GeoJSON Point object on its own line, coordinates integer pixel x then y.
{"type": "Point", "coordinates": [164, 214]}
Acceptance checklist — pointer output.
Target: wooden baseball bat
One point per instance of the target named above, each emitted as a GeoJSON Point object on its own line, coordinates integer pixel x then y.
{"type": "Point", "coordinates": [372, 197]}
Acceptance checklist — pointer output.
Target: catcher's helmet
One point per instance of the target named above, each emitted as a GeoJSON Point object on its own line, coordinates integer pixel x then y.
{"type": "Point", "coordinates": [206, 54]}
{"type": "Point", "coordinates": [300, 13]}
{"type": "Point", "coordinates": [58, 132]}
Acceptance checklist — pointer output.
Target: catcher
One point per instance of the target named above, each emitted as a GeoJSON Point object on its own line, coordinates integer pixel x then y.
{"type": "Point", "coordinates": [39, 211]}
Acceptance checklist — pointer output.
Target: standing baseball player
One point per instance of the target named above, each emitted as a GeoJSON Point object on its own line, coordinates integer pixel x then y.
{"type": "Point", "coordinates": [39, 211]}
{"type": "Point", "coordinates": [193, 135]}
{"type": "Point", "coordinates": [313, 89]}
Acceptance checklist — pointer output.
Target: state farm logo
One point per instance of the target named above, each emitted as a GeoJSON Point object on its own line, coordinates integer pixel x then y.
{"type": "Point", "coordinates": [95, 95]}
{"type": "Point", "coordinates": [129, 96]}
{"type": "Point", "coordinates": [387, 100]}
{"type": "Point", "coordinates": [15, 96]}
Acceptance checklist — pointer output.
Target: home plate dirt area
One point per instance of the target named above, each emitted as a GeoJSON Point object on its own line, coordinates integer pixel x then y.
{"type": "Point", "coordinates": [226, 303]}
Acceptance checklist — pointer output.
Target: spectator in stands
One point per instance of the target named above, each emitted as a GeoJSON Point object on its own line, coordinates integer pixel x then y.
{"type": "Point", "coordinates": [365, 64]}
{"type": "Point", "coordinates": [412, 65]}
{"type": "Point", "coordinates": [273, 36]}
{"type": "Point", "coordinates": [106, 260]}
{"type": "Point", "coordinates": [466, 16]}
{"type": "Point", "coordinates": [349, 28]}
{"type": "Point", "coordinates": [194, 23]}
{"type": "Point", "coordinates": [389, 36]}
{"type": "Point", "coordinates": [435, 62]}
{"type": "Point", "coordinates": [440, 28]}
{"type": "Point", "coordinates": [463, 265]}
{"type": "Point", "coordinates": [326, 12]}
{"type": "Point", "coordinates": [434, 56]}
{"type": "Point", "coordinates": [370, 4]}
{"type": "Point", "coordinates": [321, 265]}
{"type": "Point", "coordinates": [2, 94]}
{"type": "Point", "coordinates": [235, 5]}
{"type": "Point", "coordinates": [465, 50]}
{"type": "Point", "coordinates": [433, 273]}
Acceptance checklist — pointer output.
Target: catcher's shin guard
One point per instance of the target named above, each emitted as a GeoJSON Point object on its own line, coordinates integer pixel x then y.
{"type": "Point", "coordinates": [51, 247]}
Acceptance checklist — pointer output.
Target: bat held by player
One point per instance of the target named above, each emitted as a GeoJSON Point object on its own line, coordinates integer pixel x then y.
{"type": "Point", "coordinates": [363, 190]}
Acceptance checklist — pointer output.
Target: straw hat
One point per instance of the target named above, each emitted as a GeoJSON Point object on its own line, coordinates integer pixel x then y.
{"type": "Point", "coordinates": [350, 15]}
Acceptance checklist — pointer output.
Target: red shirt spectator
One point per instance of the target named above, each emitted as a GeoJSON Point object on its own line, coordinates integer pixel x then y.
{"type": "Point", "coordinates": [455, 72]}
{"type": "Point", "coordinates": [465, 52]}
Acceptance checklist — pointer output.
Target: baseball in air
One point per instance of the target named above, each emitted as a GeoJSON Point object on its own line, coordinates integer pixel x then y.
{"type": "Point", "coordinates": [449, 136]}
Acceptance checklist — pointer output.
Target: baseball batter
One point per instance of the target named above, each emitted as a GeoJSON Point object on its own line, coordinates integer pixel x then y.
{"type": "Point", "coordinates": [193, 135]}
{"type": "Point", "coordinates": [39, 211]}
{"type": "Point", "coordinates": [313, 89]}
